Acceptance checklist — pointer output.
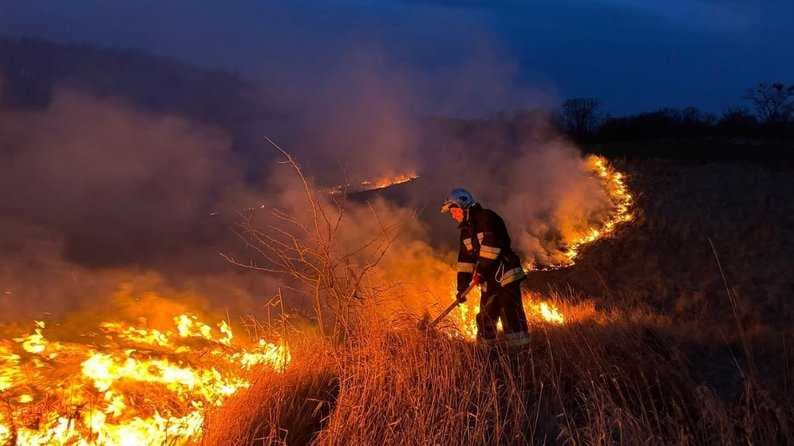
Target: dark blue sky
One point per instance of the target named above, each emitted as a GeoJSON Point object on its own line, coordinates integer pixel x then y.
{"type": "Point", "coordinates": [462, 55]}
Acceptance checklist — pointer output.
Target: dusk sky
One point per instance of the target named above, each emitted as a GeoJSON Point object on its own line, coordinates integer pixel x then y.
{"type": "Point", "coordinates": [633, 55]}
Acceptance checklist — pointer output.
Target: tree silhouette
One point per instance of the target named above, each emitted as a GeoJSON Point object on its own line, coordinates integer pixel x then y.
{"type": "Point", "coordinates": [580, 115]}
{"type": "Point", "coordinates": [773, 102]}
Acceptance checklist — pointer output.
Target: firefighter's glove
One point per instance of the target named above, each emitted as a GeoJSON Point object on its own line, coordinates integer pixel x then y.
{"type": "Point", "coordinates": [461, 296]}
{"type": "Point", "coordinates": [476, 279]}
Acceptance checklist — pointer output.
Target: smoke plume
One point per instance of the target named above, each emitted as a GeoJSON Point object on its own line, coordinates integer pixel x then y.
{"type": "Point", "coordinates": [105, 202]}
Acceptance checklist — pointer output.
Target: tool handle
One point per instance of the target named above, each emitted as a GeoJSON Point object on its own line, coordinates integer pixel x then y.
{"type": "Point", "coordinates": [451, 306]}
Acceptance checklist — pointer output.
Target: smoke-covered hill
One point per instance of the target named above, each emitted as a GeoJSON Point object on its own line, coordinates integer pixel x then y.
{"type": "Point", "coordinates": [32, 70]}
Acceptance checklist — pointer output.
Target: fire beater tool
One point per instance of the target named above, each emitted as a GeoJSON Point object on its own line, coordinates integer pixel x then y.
{"type": "Point", "coordinates": [423, 325]}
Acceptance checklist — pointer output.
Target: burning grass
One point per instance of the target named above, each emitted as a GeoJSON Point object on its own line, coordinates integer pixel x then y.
{"type": "Point", "coordinates": [123, 384]}
{"type": "Point", "coordinates": [574, 236]}
{"type": "Point", "coordinates": [551, 309]}
{"type": "Point", "coordinates": [374, 184]}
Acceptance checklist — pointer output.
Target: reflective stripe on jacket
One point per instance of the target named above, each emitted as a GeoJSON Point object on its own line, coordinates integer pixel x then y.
{"type": "Point", "coordinates": [485, 246]}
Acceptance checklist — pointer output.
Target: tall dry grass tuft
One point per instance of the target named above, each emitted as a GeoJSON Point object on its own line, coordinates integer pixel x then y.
{"type": "Point", "coordinates": [280, 408]}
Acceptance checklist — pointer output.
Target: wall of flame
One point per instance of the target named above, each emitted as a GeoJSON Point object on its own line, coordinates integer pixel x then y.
{"type": "Point", "coordinates": [126, 385]}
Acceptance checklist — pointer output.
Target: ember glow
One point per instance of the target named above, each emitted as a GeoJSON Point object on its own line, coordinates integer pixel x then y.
{"type": "Point", "coordinates": [375, 184]}
{"type": "Point", "coordinates": [126, 386]}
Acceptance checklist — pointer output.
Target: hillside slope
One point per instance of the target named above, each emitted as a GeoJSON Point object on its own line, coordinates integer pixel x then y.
{"type": "Point", "coordinates": [33, 69]}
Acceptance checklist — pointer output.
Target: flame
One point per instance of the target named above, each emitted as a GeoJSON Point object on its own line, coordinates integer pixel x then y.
{"type": "Point", "coordinates": [538, 311]}
{"type": "Point", "coordinates": [35, 342]}
{"type": "Point", "coordinates": [548, 312]}
{"type": "Point", "coordinates": [375, 184]}
{"type": "Point", "coordinates": [132, 386]}
{"type": "Point", "coordinates": [620, 199]}
{"type": "Point", "coordinates": [382, 183]}
{"type": "Point", "coordinates": [9, 372]}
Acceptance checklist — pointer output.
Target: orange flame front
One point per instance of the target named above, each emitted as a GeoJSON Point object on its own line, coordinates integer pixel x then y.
{"type": "Point", "coordinates": [375, 184]}
{"type": "Point", "coordinates": [620, 201]}
{"type": "Point", "coordinates": [132, 386]}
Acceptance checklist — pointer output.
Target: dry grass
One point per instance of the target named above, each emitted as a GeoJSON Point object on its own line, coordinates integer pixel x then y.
{"type": "Point", "coordinates": [280, 408]}
{"type": "Point", "coordinates": [578, 384]}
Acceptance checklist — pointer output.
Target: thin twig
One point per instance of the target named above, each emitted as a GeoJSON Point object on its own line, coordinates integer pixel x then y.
{"type": "Point", "coordinates": [734, 309]}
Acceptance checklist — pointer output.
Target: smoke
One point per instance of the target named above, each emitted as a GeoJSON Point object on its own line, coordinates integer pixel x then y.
{"type": "Point", "coordinates": [552, 201]}
{"type": "Point", "coordinates": [38, 281]}
{"type": "Point", "coordinates": [98, 195]}
{"type": "Point", "coordinates": [519, 167]}
{"type": "Point", "coordinates": [120, 185]}
{"type": "Point", "coordinates": [358, 123]}
{"type": "Point", "coordinates": [376, 248]}
{"type": "Point", "coordinates": [106, 203]}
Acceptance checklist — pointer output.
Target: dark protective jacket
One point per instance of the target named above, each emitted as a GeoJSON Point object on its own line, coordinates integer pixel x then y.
{"type": "Point", "coordinates": [485, 249]}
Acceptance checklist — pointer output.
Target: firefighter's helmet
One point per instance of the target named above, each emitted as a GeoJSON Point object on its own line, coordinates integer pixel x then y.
{"type": "Point", "coordinates": [459, 197]}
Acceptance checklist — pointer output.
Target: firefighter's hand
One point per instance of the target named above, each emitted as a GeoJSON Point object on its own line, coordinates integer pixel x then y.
{"type": "Point", "coordinates": [461, 296]}
{"type": "Point", "coordinates": [476, 279]}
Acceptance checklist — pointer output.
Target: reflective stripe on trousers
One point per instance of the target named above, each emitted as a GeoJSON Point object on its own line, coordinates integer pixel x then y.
{"type": "Point", "coordinates": [517, 339]}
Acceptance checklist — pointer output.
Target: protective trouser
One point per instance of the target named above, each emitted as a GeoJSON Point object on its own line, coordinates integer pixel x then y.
{"type": "Point", "coordinates": [502, 303]}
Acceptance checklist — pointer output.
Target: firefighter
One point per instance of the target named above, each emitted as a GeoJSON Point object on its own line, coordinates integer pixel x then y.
{"type": "Point", "coordinates": [486, 259]}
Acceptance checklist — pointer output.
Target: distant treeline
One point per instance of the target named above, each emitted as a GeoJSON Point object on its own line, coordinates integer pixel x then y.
{"type": "Point", "coordinates": [763, 130]}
